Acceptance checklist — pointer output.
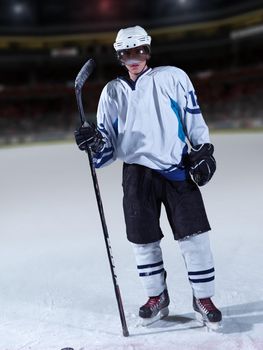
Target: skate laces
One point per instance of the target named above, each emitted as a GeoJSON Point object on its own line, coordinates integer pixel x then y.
{"type": "Point", "coordinates": [207, 304]}
{"type": "Point", "coordinates": [152, 301]}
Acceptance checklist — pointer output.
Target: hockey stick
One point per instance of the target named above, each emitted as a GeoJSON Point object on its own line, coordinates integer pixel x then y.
{"type": "Point", "coordinates": [81, 78]}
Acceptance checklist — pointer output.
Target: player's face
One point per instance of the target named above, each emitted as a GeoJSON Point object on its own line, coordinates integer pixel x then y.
{"type": "Point", "coordinates": [133, 56]}
{"type": "Point", "coordinates": [136, 68]}
{"type": "Point", "coordinates": [134, 59]}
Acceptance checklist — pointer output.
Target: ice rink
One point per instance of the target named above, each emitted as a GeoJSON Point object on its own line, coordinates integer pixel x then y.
{"type": "Point", "coordinates": [55, 285]}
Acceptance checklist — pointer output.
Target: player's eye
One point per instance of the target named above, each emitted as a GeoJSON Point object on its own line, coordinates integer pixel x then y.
{"type": "Point", "coordinates": [126, 52]}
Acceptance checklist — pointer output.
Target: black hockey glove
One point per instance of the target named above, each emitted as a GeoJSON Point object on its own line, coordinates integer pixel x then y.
{"type": "Point", "coordinates": [202, 163]}
{"type": "Point", "coordinates": [89, 136]}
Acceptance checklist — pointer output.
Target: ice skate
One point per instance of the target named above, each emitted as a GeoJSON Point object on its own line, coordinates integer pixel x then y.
{"type": "Point", "coordinates": [207, 313]}
{"type": "Point", "coordinates": [155, 309]}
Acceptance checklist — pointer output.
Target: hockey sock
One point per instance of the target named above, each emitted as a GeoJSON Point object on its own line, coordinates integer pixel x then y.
{"type": "Point", "coordinates": [150, 267]}
{"type": "Point", "coordinates": [199, 263]}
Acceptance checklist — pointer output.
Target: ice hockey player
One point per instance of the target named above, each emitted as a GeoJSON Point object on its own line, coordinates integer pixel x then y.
{"type": "Point", "coordinates": [147, 119]}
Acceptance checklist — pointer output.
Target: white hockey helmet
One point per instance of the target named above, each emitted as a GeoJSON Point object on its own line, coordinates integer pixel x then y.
{"type": "Point", "coordinates": [131, 37]}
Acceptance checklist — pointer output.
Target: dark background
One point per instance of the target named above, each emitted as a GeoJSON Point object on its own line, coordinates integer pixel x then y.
{"type": "Point", "coordinates": [43, 45]}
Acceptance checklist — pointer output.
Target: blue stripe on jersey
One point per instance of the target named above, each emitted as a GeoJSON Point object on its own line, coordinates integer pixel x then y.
{"type": "Point", "coordinates": [115, 127]}
{"type": "Point", "coordinates": [101, 127]}
{"type": "Point", "coordinates": [193, 111]}
{"type": "Point", "coordinates": [176, 172]}
{"type": "Point", "coordinates": [175, 175]}
{"type": "Point", "coordinates": [176, 109]}
{"type": "Point", "coordinates": [193, 98]}
{"type": "Point", "coordinates": [104, 160]}
{"type": "Point", "coordinates": [103, 156]}
{"type": "Point", "coordinates": [100, 155]}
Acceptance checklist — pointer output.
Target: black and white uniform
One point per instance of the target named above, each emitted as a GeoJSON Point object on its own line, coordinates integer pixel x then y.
{"type": "Point", "coordinates": [141, 123]}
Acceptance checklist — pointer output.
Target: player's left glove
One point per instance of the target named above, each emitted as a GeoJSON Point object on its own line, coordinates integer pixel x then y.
{"type": "Point", "coordinates": [202, 163]}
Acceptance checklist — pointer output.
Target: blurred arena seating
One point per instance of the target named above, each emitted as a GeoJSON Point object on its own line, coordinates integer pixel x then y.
{"type": "Point", "coordinates": [221, 51]}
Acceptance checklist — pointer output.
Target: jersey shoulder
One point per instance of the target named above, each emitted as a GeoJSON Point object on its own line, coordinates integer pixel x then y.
{"type": "Point", "coordinates": [111, 88]}
{"type": "Point", "coordinates": [171, 73]}
{"type": "Point", "coordinates": [171, 70]}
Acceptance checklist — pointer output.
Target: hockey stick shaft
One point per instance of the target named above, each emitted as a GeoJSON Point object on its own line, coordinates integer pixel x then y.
{"type": "Point", "coordinates": [79, 82]}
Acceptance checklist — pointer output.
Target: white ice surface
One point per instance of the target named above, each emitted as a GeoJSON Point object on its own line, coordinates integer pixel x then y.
{"type": "Point", "coordinates": [55, 284]}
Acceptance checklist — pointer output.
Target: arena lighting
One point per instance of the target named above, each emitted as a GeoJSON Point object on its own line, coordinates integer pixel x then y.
{"type": "Point", "coordinates": [19, 9]}
{"type": "Point", "coordinates": [105, 5]}
{"type": "Point", "coordinates": [247, 32]}
{"type": "Point", "coordinates": [64, 52]}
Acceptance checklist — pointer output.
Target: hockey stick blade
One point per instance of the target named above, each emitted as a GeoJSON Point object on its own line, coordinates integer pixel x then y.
{"type": "Point", "coordinates": [84, 73]}
{"type": "Point", "coordinates": [80, 80]}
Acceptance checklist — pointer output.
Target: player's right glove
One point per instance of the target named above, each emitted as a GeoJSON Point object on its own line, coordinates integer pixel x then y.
{"type": "Point", "coordinates": [202, 163]}
{"type": "Point", "coordinates": [89, 136]}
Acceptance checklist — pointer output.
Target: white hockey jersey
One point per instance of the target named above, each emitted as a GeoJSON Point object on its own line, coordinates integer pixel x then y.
{"type": "Point", "coordinates": [141, 121]}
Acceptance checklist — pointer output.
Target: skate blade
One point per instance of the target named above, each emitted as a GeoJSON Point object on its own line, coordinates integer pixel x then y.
{"type": "Point", "coordinates": [210, 326]}
{"type": "Point", "coordinates": [161, 314]}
